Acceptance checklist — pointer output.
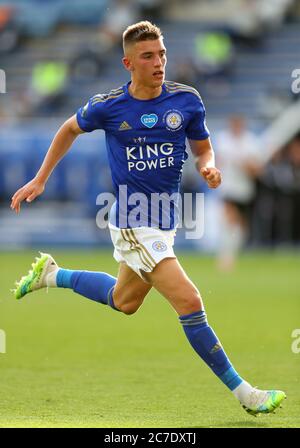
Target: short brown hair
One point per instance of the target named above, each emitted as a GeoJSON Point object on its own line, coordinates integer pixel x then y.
{"type": "Point", "coordinates": [140, 31]}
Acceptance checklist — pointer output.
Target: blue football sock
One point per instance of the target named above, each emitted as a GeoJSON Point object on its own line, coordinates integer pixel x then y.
{"type": "Point", "coordinates": [97, 286]}
{"type": "Point", "coordinates": [204, 341]}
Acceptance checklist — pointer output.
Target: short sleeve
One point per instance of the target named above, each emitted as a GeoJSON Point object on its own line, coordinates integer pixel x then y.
{"type": "Point", "coordinates": [197, 129]}
{"type": "Point", "coordinates": [92, 115]}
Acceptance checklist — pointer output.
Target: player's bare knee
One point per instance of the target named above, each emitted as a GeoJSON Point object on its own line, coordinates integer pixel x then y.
{"type": "Point", "coordinates": [192, 303]}
{"type": "Point", "coordinates": [129, 308]}
{"type": "Point", "coordinates": [192, 306]}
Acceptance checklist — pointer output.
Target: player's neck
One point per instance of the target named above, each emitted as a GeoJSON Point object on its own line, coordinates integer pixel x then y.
{"type": "Point", "coordinates": [141, 92]}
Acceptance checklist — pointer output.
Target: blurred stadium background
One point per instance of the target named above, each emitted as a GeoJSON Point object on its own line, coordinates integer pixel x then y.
{"type": "Point", "coordinates": [242, 56]}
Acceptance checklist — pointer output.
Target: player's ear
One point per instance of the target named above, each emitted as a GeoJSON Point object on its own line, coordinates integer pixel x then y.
{"type": "Point", "coordinates": [127, 63]}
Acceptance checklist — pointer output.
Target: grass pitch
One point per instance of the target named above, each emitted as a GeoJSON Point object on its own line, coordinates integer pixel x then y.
{"type": "Point", "coordinates": [70, 362]}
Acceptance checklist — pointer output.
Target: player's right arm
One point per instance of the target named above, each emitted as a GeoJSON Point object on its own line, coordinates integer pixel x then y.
{"type": "Point", "coordinates": [61, 143]}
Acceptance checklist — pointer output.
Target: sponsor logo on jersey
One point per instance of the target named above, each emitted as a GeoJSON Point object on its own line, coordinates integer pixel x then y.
{"type": "Point", "coordinates": [149, 120]}
{"type": "Point", "coordinates": [173, 119]}
{"type": "Point", "coordinates": [159, 246]}
{"type": "Point", "coordinates": [124, 126]}
{"type": "Point", "coordinates": [142, 157]}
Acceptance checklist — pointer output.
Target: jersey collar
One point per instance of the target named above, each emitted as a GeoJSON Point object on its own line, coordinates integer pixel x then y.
{"type": "Point", "coordinates": [152, 100]}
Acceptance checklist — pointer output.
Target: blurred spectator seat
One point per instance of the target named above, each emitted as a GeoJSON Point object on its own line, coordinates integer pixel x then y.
{"type": "Point", "coordinates": [80, 176]}
{"type": "Point", "coordinates": [213, 53]}
{"type": "Point", "coordinates": [40, 17]}
{"type": "Point", "coordinates": [87, 12]}
{"type": "Point", "coordinates": [48, 82]}
{"type": "Point", "coordinates": [9, 34]}
{"type": "Point", "coordinates": [36, 18]}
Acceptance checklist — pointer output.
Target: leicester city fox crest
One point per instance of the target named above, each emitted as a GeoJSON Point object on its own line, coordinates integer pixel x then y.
{"type": "Point", "coordinates": [159, 246]}
{"type": "Point", "coordinates": [173, 119]}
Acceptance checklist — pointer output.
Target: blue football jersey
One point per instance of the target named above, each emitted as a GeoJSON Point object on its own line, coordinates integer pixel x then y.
{"type": "Point", "coordinates": [146, 147]}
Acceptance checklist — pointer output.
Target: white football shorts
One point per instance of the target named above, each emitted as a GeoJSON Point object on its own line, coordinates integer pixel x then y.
{"type": "Point", "coordinates": [142, 248]}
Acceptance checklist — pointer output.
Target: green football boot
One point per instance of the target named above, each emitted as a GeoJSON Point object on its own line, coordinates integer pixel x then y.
{"type": "Point", "coordinates": [264, 401]}
{"type": "Point", "coordinates": [36, 277]}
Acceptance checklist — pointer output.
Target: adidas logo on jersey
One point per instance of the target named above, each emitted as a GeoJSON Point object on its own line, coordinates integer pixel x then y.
{"type": "Point", "coordinates": [124, 126]}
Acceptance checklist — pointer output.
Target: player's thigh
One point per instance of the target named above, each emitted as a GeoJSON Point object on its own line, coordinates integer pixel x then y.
{"type": "Point", "coordinates": [129, 286]}
{"type": "Point", "coordinates": [170, 279]}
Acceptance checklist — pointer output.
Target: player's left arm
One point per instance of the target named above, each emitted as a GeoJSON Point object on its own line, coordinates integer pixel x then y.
{"type": "Point", "coordinates": [205, 161]}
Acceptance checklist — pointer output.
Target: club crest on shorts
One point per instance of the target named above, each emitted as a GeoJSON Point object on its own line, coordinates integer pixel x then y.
{"type": "Point", "coordinates": [173, 119]}
{"type": "Point", "coordinates": [159, 246]}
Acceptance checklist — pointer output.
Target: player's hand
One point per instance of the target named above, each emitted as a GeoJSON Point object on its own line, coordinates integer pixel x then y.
{"type": "Point", "coordinates": [29, 192]}
{"type": "Point", "coordinates": [212, 176]}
